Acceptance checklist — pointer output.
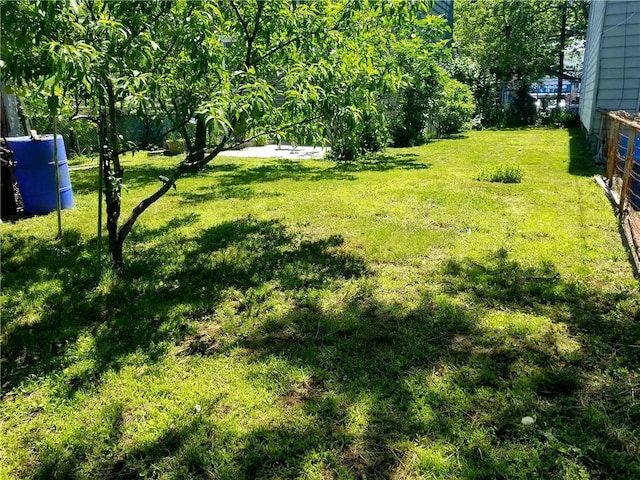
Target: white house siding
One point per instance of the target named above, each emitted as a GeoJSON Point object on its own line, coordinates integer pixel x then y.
{"type": "Point", "coordinates": [591, 65]}
{"type": "Point", "coordinates": [611, 74]}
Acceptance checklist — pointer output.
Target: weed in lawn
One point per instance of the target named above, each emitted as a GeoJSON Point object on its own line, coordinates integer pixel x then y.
{"type": "Point", "coordinates": [502, 174]}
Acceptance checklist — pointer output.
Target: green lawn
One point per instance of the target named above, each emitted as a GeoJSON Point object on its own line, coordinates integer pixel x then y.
{"type": "Point", "coordinates": [391, 318]}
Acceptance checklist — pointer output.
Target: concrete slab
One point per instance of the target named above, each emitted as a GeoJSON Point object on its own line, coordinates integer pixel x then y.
{"type": "Point", "coordinates": [281, 152]}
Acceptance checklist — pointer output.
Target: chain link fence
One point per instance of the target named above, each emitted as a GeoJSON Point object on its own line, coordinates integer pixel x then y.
{"type": "Point", "coordinates": [81, 137]}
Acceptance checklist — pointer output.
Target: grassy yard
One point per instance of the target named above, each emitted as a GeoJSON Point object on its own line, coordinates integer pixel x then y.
{"type": "Point", "coordinates": [392, 318]}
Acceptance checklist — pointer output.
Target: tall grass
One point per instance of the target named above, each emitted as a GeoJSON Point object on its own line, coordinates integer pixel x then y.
{"type": "Point", "coordinates": [502, 174]}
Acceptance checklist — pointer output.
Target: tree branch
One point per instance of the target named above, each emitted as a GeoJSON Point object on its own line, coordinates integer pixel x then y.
{"type": "Point", "coordinates": [254, 33]}
{"type": "Point", "coordinates": [277, 48]}
{"type": "Point", "coordinates": [182, 168]}
{"type": "Point", "coordinates": [286, 43]}
{"type": "Point", "coordinates": [275, 130]}
{"type": "Point", "coordinates": [240, 19]}
{"type": "Point", "coordinates": [186, 166]}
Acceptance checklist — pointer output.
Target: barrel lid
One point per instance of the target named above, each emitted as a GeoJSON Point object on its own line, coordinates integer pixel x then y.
{"type": "Point", "coordinates": [27, 138]}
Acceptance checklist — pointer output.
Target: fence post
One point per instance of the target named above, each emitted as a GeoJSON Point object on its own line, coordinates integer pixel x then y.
{"type": "Point", "coordinates": [604, 135]}
{"type": "Point", "coordinates": [628, 166]}
{"type": "Point", "coordinates": [612, 156]}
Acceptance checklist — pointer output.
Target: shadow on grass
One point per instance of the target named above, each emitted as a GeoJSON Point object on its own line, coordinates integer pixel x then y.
{"type": "Point", "coordinates": [227, 192]}
{"type": "Point", "coordinates": [437, 388]}
{"type": "Point", "coordinates": [233, 181]}
{"type": "Point", "coordinates": [277, 170]}
{"type": "Point", "coordinates": [86, 181]}
{"type": "Point", "coordinates": [150, 307]}
{"type": "Point", "coordinates": [444, 373]}
{"type": "Point", "coordinates": [444, 387]}
{"type": "Point", "coordinates": [581, 160]}
{"type": "Point", "coordinates": [382, 163]}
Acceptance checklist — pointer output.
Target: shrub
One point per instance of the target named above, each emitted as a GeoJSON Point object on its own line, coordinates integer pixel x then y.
{"type": "Point", "coordinates": [409, 108]}
{"type": "Point", "coordinates": [433, 98]}
{"type": "Point", "coordinates": [454, 107]}
{"type": "Point", "coordinates": [485, 90]}
{"type": "Point", "coordinates": [502, 174]}
{"type": "Point", "coordinates": [356, 135]}
{"type": "Point", "coordinates": [555, 118]}
{"type": "Point", "coordinates": [522, 109]}
{"type": "Point", "coordinates": [261, 141]}
{"type": "Point", "coordinates": [409, 122]}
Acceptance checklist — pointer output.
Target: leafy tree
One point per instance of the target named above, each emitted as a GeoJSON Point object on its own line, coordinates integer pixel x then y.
{"type": "Point", "coordinates": [517, 42]}
{"type": "Point", "coordinates": [484, 88]}
{"type": "Point", "coordinates": [240, 69]}
{"type": "Point", "coordinates": [420, 53]}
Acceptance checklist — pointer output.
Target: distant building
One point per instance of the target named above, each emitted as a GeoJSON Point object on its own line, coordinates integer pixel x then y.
{"type": "Point", "coordinates": [611, 74]}
{"type": "Point", "coordinates": [444, 8]}
{"type": "Point", "coordinates": [545, 91]}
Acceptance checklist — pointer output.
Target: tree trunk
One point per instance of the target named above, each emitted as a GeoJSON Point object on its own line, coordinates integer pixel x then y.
{"type": "Point", "coordinates": [116, 253]}
{"type": "Point", "coordinates": [110, 161]}
{"type": "Point", "coordinates": [200, 140]}
{"type": "Point", "coordinates": [563, 34]}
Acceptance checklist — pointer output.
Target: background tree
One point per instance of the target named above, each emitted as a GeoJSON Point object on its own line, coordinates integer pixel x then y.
{"type": "Point", "coordinates": [516, 42]}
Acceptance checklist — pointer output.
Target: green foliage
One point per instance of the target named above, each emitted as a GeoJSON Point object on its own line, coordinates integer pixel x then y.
{"type": "Point", "coordinates": [504, 173]}
{"type": "Point", "coordinates": [509, 38]}
{"type": "Point", "coordinates": [511, 44]}
{"type": "Point", "coordinates": [558, 118]}
{"type": "Point", "coordinates": [358, 135]}
{"type": "Point", "coordinates": [438, 101]}
{"type": "Point", "coordinates": [262, 140]}
{"type": "Point", "coordinates": [484, 88]}
{"type": "Point", "coordinates": [453, 107]}
{"type": "Point", "coordinates": [419, 55]}
{"type": "Point", "coordinates": [245, 68]}
{"type": "Point", "coordinates": [80, 135]}
{"type": "Point", "coordinates": [409, 123]}
{"type": "Point", "coordinates": [522, 109]}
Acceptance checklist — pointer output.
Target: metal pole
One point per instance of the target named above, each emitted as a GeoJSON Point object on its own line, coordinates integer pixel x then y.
{"type": "Point", "coordinates": [100, 182]}
{"type": "Point", "coordinates": [563, 36]}
{"type": "Point", "coordinates": [54, 111]}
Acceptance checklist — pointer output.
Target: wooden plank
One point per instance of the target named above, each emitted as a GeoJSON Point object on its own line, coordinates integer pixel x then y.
{"type": "Point", "coordinates": [611, 195]}
{"type": "Point", "coordinates": [612, 157]}
{"type": "Point", "coordinates": [631, 239]}
{"type": "Point", "coordinates": [625, 118]}
{"type": "Point", "coordinates": [628, 165]}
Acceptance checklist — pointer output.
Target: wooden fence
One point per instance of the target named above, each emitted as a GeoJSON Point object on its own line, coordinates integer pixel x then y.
{"type": "Point", "coordinates": [620, 136]}
{"type": "Point", "coordinates": [620, 149]}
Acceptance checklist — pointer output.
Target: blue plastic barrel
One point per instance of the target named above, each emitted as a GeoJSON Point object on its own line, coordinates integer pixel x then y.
{"type": "Point", "coordinates": [36, 175]}
{"type": "Point", "coordinates": [623, 146]}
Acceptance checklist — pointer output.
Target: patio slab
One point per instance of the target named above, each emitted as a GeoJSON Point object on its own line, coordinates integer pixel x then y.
{"type": "Point", "coordinates": [282, 152]}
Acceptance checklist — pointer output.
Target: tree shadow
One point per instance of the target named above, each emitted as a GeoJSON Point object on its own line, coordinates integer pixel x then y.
{"type": "Point", "coordinates": [136, 176]}
{"type": "Point", "coordinates": [302, 170]}
{"type": "Point", "coordinates": [276, 170]}
{"type": "Point", "coordinates": [149, 308]}
{"type": "Point", "coordinates": [383, 162]}
{"type": "Point", "coordinates": [213, 193]}
{"type": "Point", "coordinates": [455, 371]}
{"type": "Point", "coordinates": [440, 373]}
{"type": "Point", "coordinates": [580, 155]}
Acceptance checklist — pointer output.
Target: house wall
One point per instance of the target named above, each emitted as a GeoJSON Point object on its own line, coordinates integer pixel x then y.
{"type": "Point", "coordinates": [591, 64]}
{"type": "Point", "coordinates": [444, 8]}
{"type": "Point", "coordinates": [611, 75]}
